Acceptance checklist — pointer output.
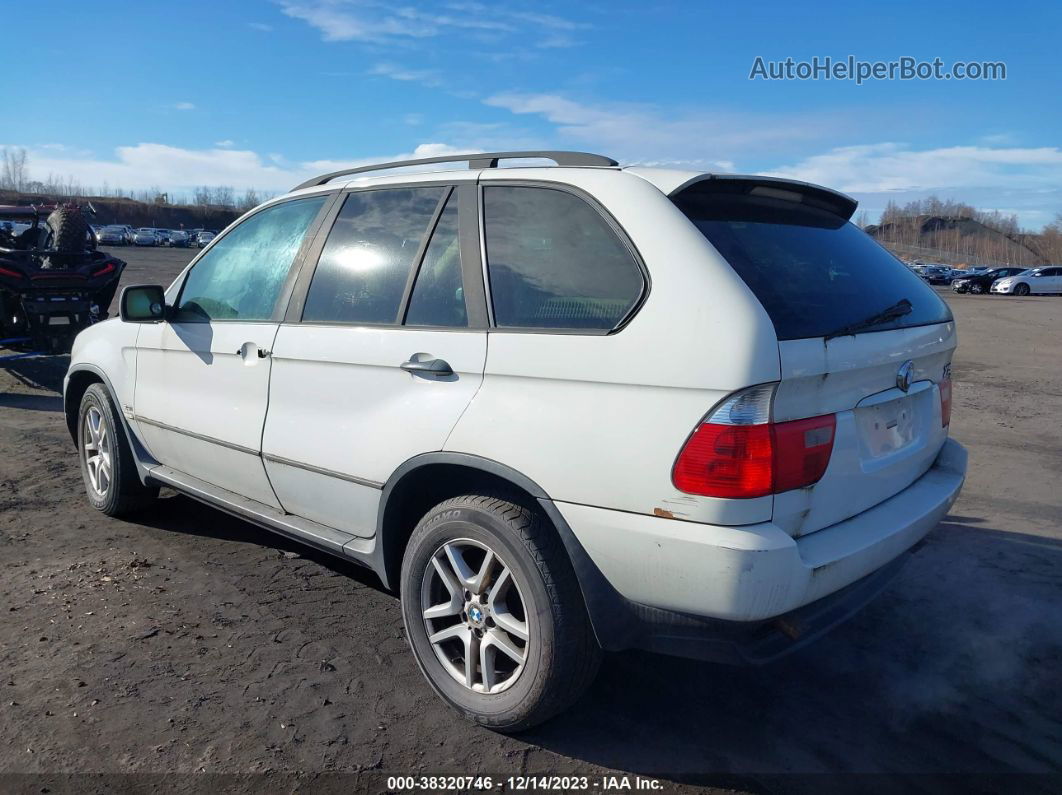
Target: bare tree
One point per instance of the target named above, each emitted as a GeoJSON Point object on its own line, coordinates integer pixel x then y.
{"type": "Point", "coordinates": [249, 201]}
{"type": "Point", "coordinates": [14, 171]}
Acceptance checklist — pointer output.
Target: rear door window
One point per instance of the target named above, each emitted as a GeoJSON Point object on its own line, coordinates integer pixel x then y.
{"type": "Point", "coordinates": [813, 272]}
{"type": "Point", "coordinates": [554, 262]}
{"type": "Point", "coordinates": [366, 261]}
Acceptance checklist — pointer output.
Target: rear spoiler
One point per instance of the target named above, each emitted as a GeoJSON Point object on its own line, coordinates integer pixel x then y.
{"type": "Point", "coordinates": [771, 187]}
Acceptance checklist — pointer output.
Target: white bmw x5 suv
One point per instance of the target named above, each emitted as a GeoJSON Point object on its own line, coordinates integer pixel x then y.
{"type": "Point", "coordinates": [559, 409]}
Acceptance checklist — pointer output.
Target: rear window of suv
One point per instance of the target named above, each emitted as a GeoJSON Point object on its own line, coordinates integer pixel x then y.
{"type": "Point", "coordinates": [813, 272]}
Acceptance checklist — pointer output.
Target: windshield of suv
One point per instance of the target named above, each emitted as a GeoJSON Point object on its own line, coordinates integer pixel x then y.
{"type": "Point", "coordinates": [813, 272]}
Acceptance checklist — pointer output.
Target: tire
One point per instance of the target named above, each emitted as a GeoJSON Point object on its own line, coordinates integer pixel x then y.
{"type": "Point", "coordinates": [69, 230]}
{"type": "Point", "coordinates": [529, 588]}
{"type": "Point", "coordinates": [977, 289]}
{"type": "Point", "coordinates": [1021, 289]}
{"type": "Point", "coordinates": [112, 485]}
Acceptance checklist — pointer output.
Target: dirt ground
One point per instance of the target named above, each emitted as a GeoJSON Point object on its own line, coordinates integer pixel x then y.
{"type": "Point", "coordinates": [189, 641]}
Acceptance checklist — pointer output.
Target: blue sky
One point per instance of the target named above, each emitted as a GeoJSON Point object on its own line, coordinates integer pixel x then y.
{"type": "Point", "coordinates": [261, 93]}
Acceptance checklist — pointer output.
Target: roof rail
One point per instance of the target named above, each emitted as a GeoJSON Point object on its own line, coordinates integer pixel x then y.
{"type": "Point", "coordinates": [476, 160]}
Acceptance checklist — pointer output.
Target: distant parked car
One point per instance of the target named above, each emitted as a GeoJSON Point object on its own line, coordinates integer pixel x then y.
{"type": "Point", "coordinates": [1034, 280]}
{"type": "Point", "coordinates": [979, 282]}
{"type": "Point", "coordinates": [204, 237]}
{"type": "Point", "coordinates": [145, 237]}
{"type": "Point", "coordinates": [980, 269]}
{"type": "Point", "coordinates": [112, 236]}
{"type": "Point", "coordinates": [937, 274]}
{"type": "Point", "coordinates": [127, 232]}
{"type": "Point", "coordinates": [178, 238]}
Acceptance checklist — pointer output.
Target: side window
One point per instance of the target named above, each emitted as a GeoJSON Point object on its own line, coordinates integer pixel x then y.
{"type": "Point", "coordinates": [438, 295]}
{"type": "Point", "coordinates": [367, 257]}
{"type": "Point", "coordinates": [554, 262]}
{"type": "Point", "coordinates": [241, 277]}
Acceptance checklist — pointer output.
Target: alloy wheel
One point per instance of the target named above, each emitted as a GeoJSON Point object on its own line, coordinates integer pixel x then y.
{"type": "Point", "coordinates": [474, 616]}
{"type": "Point", "coordinates": [96, 444]}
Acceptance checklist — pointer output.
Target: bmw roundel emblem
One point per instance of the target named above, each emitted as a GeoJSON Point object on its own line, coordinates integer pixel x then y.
{"type": "Point", "coordinates": [903, 375]}
{"type": "Point", "coordinates": [475, 614]}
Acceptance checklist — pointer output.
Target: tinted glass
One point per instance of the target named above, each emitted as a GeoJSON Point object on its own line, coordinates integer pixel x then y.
{"type": "Point", "coordinates": [241, 277]}
{"type": "Point", "coordinates": [366, 260]}
{"type": "Point", "coordinates": [554, 262]}
{"type": "Point", "coordinates": [811, 270]}
{"type": "Point", "coordinates": [438, 296]}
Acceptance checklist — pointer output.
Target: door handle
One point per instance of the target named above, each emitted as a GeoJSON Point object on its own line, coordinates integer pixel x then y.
{"type": "Point", "coordinates": [245, 350]}
{"type": "Point", "coordinates": [426, 364]}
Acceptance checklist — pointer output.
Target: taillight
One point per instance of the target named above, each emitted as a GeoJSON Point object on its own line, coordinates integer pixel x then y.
{"type": "Point", "coordinates": [945, 402]}
{"type": "Point", "coordinates": [108, 268]}
{"type": "Point", "coordinates": [9, 272]}
{"type": "Point", "coordinates": [802, 450]}
{"type": "Point", "coordinates": [726, 461]}
{"type": "Point", "coordinates": [737, 452]}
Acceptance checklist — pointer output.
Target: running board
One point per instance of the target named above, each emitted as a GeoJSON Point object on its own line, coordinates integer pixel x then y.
{"type": "Point", "coordinates": [319, 536]}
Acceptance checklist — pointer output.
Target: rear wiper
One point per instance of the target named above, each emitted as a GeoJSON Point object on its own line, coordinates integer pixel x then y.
{"type": "Point", "coordinates": [899, 309]}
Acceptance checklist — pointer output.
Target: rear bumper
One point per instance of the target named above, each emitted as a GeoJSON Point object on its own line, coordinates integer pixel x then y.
{"type": "Point", "coordinates": [718, 592]}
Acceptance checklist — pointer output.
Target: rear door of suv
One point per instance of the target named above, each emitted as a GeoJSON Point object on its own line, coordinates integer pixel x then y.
{"type": "Point", "coordinates": [382, 348]}
{"type": "Point", "coordinates": [860, 338]}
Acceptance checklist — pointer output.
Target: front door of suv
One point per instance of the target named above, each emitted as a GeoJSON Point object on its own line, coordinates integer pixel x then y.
{"type": "Point", "coordinates": [202, 378]}
{"type": "Point", "coordinates": [382, 350]}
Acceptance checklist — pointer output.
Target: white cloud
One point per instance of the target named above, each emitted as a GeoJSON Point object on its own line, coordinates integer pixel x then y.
{"type": "Point", "coordinates": [896, 167]}
{"type": "Point", "coordinates": [175, 169]}
{"type": "Point", "coordinates": [633, 132]}
{"type": "Point", "coordinates": [1028, 180]}
{"type": "Point", "coordinates": [556, 41]}
{"type": "Point", "coordinates": [262, 26]}
{"type": "Point", "coordinates": [339, 21]}
{"type": "Point", "coordinates": [1023, 180]}
{"type": "Point", "coordinates": [225, 143]}
{"type": "Point", "coordinates": [376, 22]}
{"type": "Point", "coordinates": [425, 77]}
{"type": "Point", "coordinates": [184, 106]}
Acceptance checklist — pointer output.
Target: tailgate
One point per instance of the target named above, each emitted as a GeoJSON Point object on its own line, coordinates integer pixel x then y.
{"type": "Point", "coordinates": [886, 437]}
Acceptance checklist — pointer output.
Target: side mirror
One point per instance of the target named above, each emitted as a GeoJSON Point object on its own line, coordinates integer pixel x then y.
{"type": "Point", "coordinates": [143, 303]}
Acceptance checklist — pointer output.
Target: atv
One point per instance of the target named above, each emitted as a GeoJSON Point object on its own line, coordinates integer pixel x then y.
{"type": "Point", "coordinates": [53, 281]}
